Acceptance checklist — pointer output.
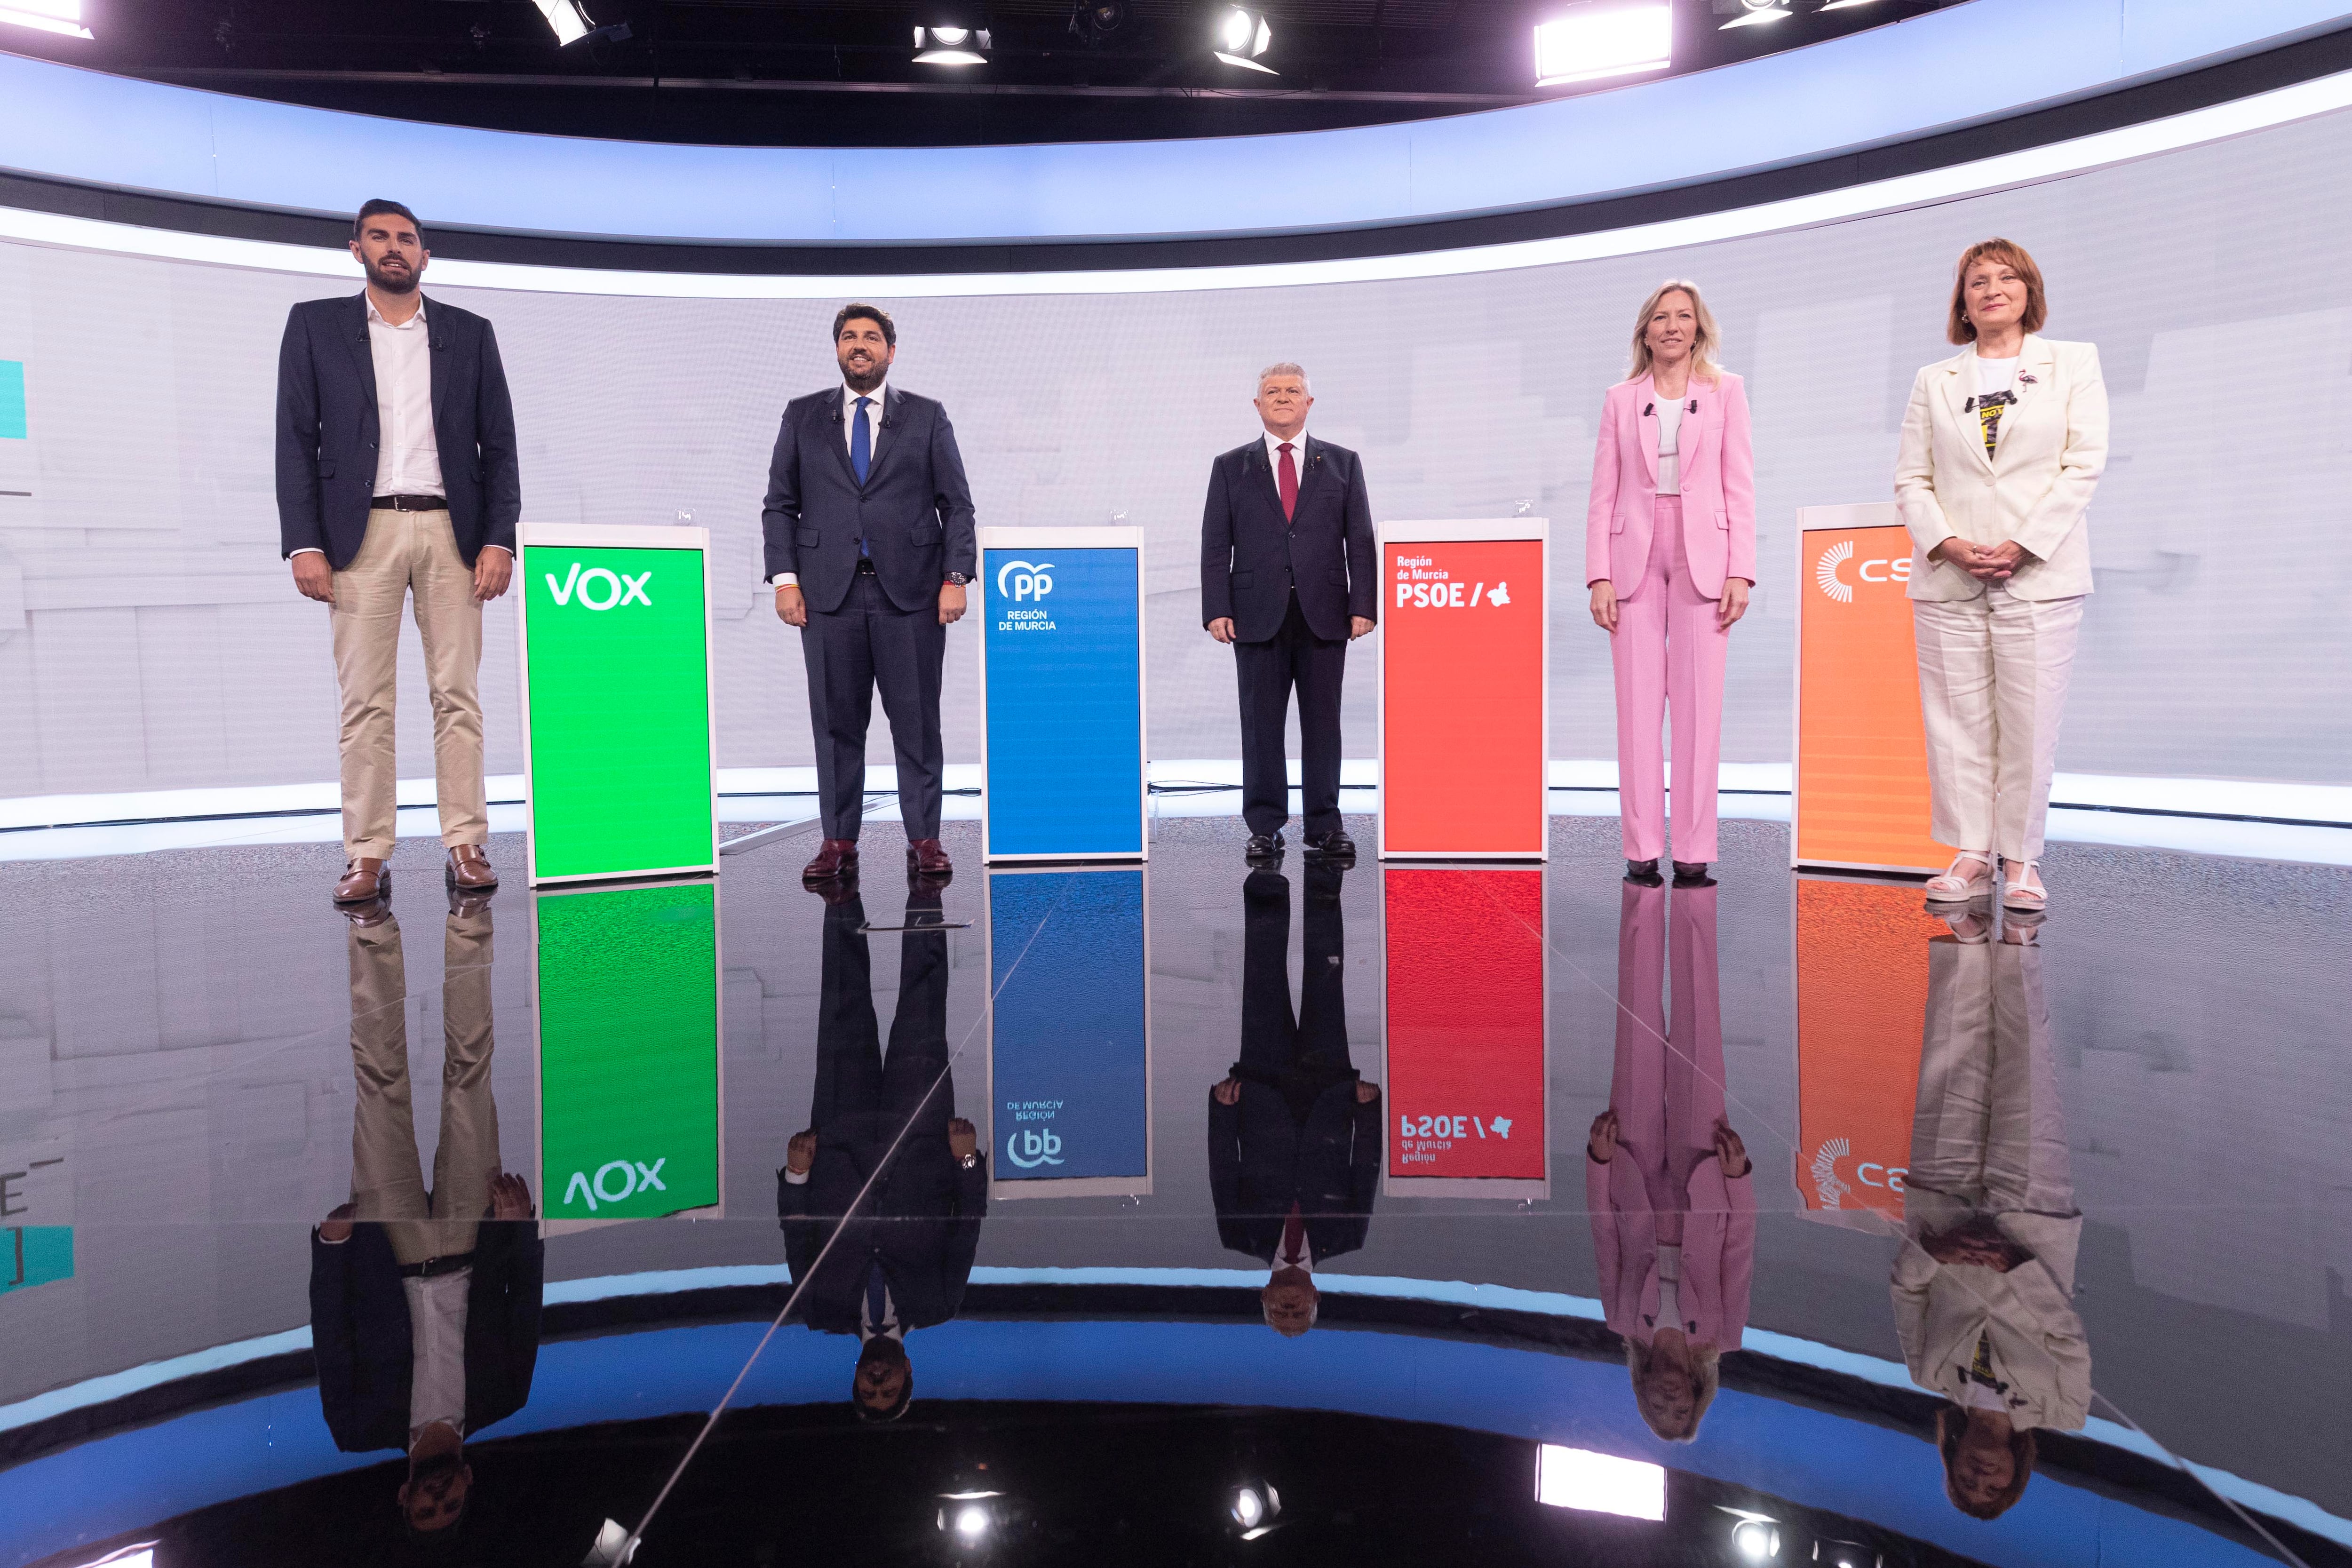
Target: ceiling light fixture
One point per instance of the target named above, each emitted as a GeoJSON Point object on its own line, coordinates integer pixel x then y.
{"type": "Point", "coordinates": [566, 16]}
{"type": "Point", "coordinates": [951, 45]}
{"type": "Point", "coordinates": [1600, 1483]}
{"type": "Point", "coordinates": [1758, 13]}
{"type": "Point", "coordinates": [1841, 5]}
{"type": "Point", "coordinates": [49, 16]}
{"type": "Point", "coordinates": [1604, 40]}
{"type": "Point", "coordinates": [1241, 37]}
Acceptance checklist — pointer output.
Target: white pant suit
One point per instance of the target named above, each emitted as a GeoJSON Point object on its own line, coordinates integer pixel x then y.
{"type": "Point", "coordinates": [1995, 658]}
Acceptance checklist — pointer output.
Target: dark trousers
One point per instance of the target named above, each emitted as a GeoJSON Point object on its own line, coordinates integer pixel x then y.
{"type": "Point", "coordinates": [1305, 1053]}
{"type": "Point", "coordinates": [1294, 656]}
{"type": "Point", "coordinates": [863, 1097]}
{"type": "Point", "coordinates": [870, 642]}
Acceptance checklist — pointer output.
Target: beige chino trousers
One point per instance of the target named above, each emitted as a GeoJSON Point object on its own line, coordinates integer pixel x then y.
{"type": "Point", "coordinates": [408, 552]}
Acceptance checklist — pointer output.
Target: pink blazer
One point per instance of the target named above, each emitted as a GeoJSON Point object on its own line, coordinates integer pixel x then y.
{"type": "Point", "coordinates": [1718, 486]}
{"type": "Point", "coordinates": [1718, 1251]}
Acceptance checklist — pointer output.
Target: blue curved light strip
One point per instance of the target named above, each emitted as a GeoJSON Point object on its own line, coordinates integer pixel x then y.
{"type": "Point", "coordinates": [1891, 83]}
{"type": "Point", "coordinates": [2299, 1511]}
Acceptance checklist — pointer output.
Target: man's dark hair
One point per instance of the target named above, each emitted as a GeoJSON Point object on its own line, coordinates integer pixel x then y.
{"type": "Point", "coordinates": [879, 1347]}
{"type": "Point", "coordinates": [874, 313]}
{"type": "Point", "coordinates": [370, 210]}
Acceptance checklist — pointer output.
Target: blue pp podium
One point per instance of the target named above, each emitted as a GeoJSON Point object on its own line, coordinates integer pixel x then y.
{"type": "Point", "coordinates": [1061, 685]}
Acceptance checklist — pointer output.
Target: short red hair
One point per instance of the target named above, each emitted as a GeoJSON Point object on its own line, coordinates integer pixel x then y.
{"type": "Point", "coordinates": [2008, 252]}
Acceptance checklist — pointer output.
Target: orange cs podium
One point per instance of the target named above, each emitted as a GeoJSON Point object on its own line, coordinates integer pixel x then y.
{"type": "Point", "coordinates": [1860, 795]}
{"type": "Point", "coordinates": [1463, 688]}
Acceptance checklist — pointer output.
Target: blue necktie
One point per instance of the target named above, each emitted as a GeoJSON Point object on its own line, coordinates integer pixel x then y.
{"type": "Point", "coordinates": [877, 1309]}
{"type": "Point", "coordinates": [861, 458]}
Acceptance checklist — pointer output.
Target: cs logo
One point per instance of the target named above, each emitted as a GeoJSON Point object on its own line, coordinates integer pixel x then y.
{"type": "Point", "coordinates": [1023, 581]}
{"type": "Point", "coordinates": [619, 588]}
{"type": "Point", "coordinates": [1825, 571]}
{"type": "Point", "coordinates": [1029, 1148]}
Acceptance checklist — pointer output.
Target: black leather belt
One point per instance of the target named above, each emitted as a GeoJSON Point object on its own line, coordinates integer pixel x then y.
{"type": "Point", "coordinates": [409, 503]}
{"type": "Point", "coordinates": [432, 1265]}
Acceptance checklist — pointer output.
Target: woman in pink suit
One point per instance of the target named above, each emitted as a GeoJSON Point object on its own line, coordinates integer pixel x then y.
{"type": "Point", "coordinates": [1669, 1187]}
{"type": "Point", "coordinates": [1670, 554]}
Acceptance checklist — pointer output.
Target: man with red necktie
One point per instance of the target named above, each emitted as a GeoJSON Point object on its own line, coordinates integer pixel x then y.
{"type": "Point", "coordinates": [1286, 577]}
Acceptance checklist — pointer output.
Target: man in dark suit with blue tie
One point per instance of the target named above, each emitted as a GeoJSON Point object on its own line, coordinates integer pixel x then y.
{"type": "Point", "coordinates": [870, 541]}
{"type": "Point", "coordinates": [1286, 577]}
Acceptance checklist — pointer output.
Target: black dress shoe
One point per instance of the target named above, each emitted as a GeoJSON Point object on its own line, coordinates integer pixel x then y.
{"type": "Point", "coordinates": [1692, 874]}
{"type": "Point", "coordinates": [1644, 873]}
{"type": "Point", "coordinates": [1333, 846]}
{"type": "Point", "coordinates": [1264, 847]}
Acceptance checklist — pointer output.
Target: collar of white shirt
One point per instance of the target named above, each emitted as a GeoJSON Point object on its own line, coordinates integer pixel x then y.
{"type": "Point", "coordinates": [849, 397]}
{"type": "Point", "coordinates": [1298, 450]}
{"type": "Point", "coordinates": [375, 315]}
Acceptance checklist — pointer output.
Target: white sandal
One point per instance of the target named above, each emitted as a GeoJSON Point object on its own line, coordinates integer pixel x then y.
{"type": "Point", "coordinates": [2014, 895]}
{"type": "Point", "coordinates": [1951, 888]}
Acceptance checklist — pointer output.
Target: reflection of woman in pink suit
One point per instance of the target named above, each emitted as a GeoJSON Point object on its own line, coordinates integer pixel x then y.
{"type": "Point", "coordinates": [1670, 554]}
{"type": "Point", "coordinates": [1670, 1186]}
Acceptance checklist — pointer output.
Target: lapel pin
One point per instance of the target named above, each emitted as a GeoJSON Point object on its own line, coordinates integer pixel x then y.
{"type": "Point", "coordinates": [2027, 379]}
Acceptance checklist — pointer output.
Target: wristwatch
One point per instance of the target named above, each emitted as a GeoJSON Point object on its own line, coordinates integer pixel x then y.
{"type": "Point", "coordinates": [970, 1161]}
{"type": "Point", "coordinates": [958, 578]}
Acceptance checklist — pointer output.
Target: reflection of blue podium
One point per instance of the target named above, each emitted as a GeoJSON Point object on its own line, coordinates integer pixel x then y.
{"type": "Point", "coordinates": [1061, 684]}
{"type": "Point", "coordinates": [1069, 1038]}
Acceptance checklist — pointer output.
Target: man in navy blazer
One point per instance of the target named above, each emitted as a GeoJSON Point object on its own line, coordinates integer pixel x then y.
{"type": "Point", "coordinates": [1286, 577]}
{"type": "Point", "coordinates": [870, 542]}
{"type": "Point", "coordinates": [397, 475]}
{"type": "Point", "coordinates": [884, 1127]}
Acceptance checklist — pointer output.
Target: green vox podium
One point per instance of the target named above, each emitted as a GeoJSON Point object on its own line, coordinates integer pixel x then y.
{"type": "Point", "coordinates": [620, 753]}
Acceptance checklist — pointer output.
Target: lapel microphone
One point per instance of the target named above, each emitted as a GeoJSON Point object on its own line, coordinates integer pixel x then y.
{"type": "Point", "coordinates": [1648, 409]}
{"type": "Point", "coordinates": [1693, 407]}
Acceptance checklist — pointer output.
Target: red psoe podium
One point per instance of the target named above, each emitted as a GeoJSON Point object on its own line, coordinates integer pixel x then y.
{"type": "Point", "coordinates": [1464, 689]}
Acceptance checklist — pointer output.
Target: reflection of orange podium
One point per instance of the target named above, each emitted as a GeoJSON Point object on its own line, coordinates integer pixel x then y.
{"type": "Point", "coordinates": [1860, 796]}
{"type": "Point", "coordinates": [1861, 1005]}
{"type": "Point", "coordinates": [1463, 688]}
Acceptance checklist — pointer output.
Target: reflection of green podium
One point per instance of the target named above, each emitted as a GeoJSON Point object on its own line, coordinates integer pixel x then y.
{"type": "Point", "coordinates": [619, 743]}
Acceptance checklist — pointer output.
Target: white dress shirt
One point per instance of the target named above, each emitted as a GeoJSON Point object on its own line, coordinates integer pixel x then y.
{"type": "Point", "coordinates": [1297, 455]}
{"type": "Point", "coordinates": [888, 1328]}
{"type": "Point", "coordinates": [849, 397]}
{"type": "Point", "coordinates": [408, 463]}
{"type": "Point", "coordinates": [437, 1324]}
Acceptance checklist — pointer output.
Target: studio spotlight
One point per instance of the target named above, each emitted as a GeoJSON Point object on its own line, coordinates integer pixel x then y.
{"type": "Point", "coordinates": [1755, 12]}
{"type": "Point", "coordinates": [49, 16]}
{"type": "Point", "coordinates": [571, 23]}
{"type": "Point", "coordinates": [1841, 5]}
{"type": "Point", "coordinates": [972, 1521]}
{"type": "Point", "coordinates": [951, 43]}
{"type": "Point", "coordinates": [1241, 37]}
{"type": "Point", "coordinates": [1756, 1541]}
{"type": "Point", "coordinates": [1603, 39]}
{"type": "Point", "coordinates": [1254, 1507]}
{"type": "Point", "coordinates": [1093, 21]}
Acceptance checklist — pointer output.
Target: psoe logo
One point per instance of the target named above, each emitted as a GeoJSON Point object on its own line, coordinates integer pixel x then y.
{"type": "Point", "coordinates": [1891, 569]}
{"type": "Point", "coordinates": [1031, 1147]}
{"type": "Point", "coordinates": [633, 1176]}
{"type": "Point", "coordinates": [616, 587]}
{"type": "Point", "coordinates": [1021, 580]}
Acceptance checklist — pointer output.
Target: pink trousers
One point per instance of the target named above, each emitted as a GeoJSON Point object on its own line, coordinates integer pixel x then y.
{"type": "Point", "coordinates": [1669, 655]}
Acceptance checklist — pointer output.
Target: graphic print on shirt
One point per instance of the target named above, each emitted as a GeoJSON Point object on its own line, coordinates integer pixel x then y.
{"type": "Point", "coordinates": [1987, 406]}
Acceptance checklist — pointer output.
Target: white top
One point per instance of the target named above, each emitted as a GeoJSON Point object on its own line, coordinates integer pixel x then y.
{"type": "Point", "coordinates": [889, 1327]}
{"type": "Point", "coordinates": [1670, 1280]}
{"type": "Point", "coordinates": [1995, 374]}
{"type": "Point", "coordinates": [849, 397]}
{"type": "Point", "coordinates": [1669, 463]}
{"type": "Point", "coordinates": [408, 462]}
{"type": "Point", "coordinates": [1297, 455]}
{"type": "Point", "coordinates": [437, 1324]}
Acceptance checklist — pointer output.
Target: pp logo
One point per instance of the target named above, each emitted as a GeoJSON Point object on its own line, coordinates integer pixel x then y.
{"type": "Point", "coordinates": [1896, 568]}
{"type": "Point", "coordinates": [1022, 581]}
{"type": "Point", "coordinates": [1028, 1147]}
{"type": "Point", "coordinates": [619, 587]}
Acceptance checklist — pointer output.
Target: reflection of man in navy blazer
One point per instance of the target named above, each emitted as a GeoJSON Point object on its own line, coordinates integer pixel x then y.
{"type": "Point", "coordinates": [869, 544]}
{"type": "Point", "coordinates": [1286, 577]}
{"type": "Point", "coordinates": [902, 1260]}
{"type": "Point", "coordinates": [1294, 1129]}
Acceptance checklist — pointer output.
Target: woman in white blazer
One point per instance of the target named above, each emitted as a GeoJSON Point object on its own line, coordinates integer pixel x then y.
{"type": "Point", "coordinates": [2002, 445]}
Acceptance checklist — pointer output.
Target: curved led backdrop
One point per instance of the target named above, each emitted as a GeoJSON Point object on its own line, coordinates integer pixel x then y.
{"type": "Point", "coordinates": [150, 638]}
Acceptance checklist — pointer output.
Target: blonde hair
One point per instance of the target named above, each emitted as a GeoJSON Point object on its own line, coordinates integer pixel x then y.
{"type": "Point", "coordinates": [1703, 345]}
{"type": "Point", "coordinates": [1706, 1378]}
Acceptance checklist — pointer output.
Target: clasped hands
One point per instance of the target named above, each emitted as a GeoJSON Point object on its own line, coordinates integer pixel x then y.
{"type": "Point", "coordinates": [1730, 1154]}
{"type": "Point", "coordinates": [800, 1154]}
{"type": "Point", "coordinates": [1985, 563]}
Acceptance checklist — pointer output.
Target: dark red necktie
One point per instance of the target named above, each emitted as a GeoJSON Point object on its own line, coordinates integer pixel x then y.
{"type": "Point", "coordinates": [1294, 1229]}
{"type": "Point", "coordinates": [1287, 477]}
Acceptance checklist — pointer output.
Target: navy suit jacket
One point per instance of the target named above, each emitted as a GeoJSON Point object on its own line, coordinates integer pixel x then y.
{"type": "Point", "coordinates": [914, 509]}
{"type": "Point", "coordinates": [1251, 558]}
{"type": "Point", "coordinates": [328, 435]}
{"type": "Point", "coordinates": [1261, 1162]}
{"type": "Point", "coordinates": [921, 1226]}
{"type": "Point", "coordinates": [359, 1332]}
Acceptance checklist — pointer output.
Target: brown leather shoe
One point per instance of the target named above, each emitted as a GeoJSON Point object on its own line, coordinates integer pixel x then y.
{"type": "Point", "coordinates": [925, 858]}
{"type": "Point", "coordinates": [363, 880]}
{"type": "Point", "coordinates": [834, 858]}
{"type": "Point", "coordinates": [470, 867]}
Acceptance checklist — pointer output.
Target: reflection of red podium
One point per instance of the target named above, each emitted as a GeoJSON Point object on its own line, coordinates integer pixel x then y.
{"type": "Point", "coordinates": [1462, 1025]}
{"type": "Point", "coordinates": [1464, 691]}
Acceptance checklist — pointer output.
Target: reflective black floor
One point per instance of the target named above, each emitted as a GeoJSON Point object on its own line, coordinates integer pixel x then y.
{"type": "Point", "coordinates": [1192, 1215]}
